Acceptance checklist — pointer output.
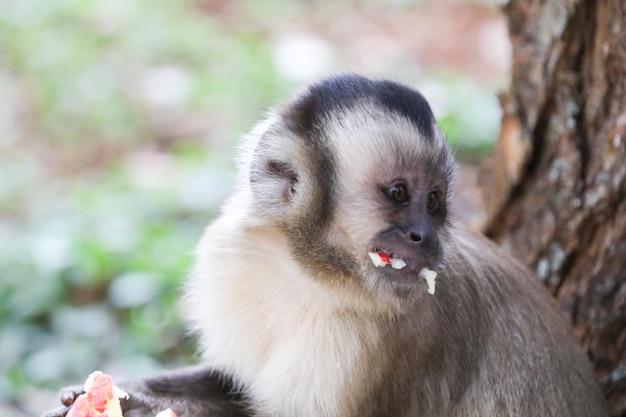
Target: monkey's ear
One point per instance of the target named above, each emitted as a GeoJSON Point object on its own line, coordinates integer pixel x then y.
{"type": "Point", "coordinates": [273, 182]}
{"type": "Point", "coordinates": [284, 172]}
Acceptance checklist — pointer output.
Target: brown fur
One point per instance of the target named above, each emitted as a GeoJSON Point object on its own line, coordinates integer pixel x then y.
{"type": "Point", "coordinates": [293, 318]}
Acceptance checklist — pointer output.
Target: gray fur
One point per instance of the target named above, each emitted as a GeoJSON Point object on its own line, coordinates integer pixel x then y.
{"type": "Point", "coordinates": [294, 320]}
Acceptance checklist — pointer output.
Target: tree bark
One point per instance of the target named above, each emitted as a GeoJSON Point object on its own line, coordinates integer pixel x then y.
{"type": "Point", "coordinates": [561, 205]}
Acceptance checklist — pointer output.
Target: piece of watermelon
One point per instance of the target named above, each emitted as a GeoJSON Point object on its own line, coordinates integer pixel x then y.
{"type": "Point", "coordinates": [100, 399]}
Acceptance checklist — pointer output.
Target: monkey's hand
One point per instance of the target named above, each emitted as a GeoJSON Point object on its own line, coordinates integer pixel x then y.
{"type": "Point", "coordinates": [67, 397]}
{"type": "Point", "coordinates": [132, 406]}
{"type": "Point", "coordinates": [194, 392]}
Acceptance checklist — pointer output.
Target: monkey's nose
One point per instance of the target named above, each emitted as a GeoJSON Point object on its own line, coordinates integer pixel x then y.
{"type": "Point", "coordinates": [420, 235]}
{"type": "Point", "coordinates": [415, 237]}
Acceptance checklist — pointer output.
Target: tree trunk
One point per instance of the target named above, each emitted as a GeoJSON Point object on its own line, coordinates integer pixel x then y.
{"type": "Point", "coordinates": [560, 172]}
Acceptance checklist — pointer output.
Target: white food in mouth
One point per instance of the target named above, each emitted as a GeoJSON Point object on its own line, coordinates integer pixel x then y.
{"type": "Point", "coordinates": [429, 275]}
{"type": "Point", "coordinates": [376, 259]}
{"type": "Point", "coordinates": [396, 263]}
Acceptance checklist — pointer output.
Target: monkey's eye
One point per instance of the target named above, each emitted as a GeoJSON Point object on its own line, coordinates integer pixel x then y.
{"type": "Point", "coordinates": [398, 194]}
{"type": "Point", "coordinates": [433, 201]}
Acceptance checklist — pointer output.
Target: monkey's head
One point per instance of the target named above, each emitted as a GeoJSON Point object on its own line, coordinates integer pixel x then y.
{"type": "Point", "coordinates": [353, 166]}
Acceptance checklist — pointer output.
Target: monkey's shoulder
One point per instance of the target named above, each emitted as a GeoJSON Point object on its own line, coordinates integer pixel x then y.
{"type": "Point", "coordinates": [473, 254]}
{"type": "Point", "coordinates": [479, 271]}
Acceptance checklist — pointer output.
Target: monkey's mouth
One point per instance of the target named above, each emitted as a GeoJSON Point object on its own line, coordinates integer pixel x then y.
{"type": "Point", "coordinates": [382, 259]}
{"type": "Point", "coordinates": [403, 272]}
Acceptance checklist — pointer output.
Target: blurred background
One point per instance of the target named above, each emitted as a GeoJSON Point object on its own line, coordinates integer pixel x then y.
{"type": "Point", "coordinates": [118, 125]}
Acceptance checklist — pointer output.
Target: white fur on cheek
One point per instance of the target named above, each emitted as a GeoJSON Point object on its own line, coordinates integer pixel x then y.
{"type": "Point", "coordinates": [278, 331]}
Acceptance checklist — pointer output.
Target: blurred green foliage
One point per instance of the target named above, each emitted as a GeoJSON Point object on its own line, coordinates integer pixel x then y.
{"type": "Point", "coordinates": [116, 137]}
{"type": "Point", "coordinates": [99, 209]}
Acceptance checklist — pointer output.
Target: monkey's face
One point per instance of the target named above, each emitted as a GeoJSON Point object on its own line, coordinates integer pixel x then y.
{"type": "Point", "coordinates": [393, 200]}
{"type": "Point", "coordinates": [352, 167]}
{"type": "Point", "coordinates": [413, 208]}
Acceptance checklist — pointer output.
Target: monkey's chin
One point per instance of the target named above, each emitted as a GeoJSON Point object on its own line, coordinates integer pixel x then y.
{"type": "Point", "coordinates": [401, 282]}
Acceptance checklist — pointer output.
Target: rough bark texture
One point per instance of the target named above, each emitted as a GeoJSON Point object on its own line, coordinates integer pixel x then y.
{"type": "Point", "coordinates": [565, 216]}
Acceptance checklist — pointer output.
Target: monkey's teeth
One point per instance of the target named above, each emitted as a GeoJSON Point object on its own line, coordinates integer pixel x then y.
{"type": "Point", "coordinates": [429, 275]}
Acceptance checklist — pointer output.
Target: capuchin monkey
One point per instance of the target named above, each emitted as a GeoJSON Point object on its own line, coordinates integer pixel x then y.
{"type": "Point", "coordinates": [335, 284]}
